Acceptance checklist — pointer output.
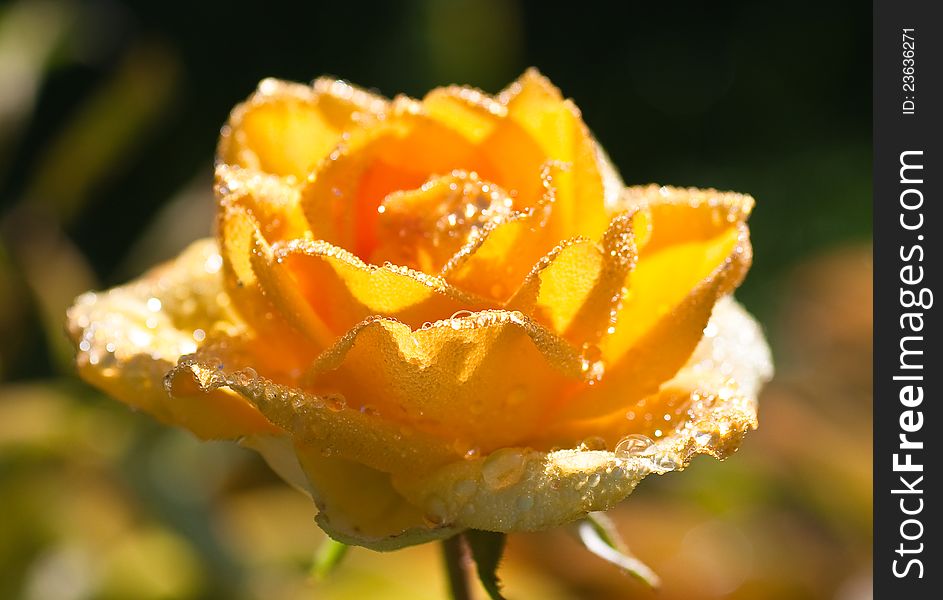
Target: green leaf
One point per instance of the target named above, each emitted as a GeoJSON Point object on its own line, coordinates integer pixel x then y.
{"type": "Point", "coordinates": [486, 548]}
{"type": "Point", "coordinates": [326, 559]}
{"type": "Point", "coordinates": [599, 536]}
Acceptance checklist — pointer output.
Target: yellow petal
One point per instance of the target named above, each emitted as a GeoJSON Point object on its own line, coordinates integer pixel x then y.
{"type": "Point", "coordinates": [480, 382]}
{"type": "Point", "coordinates": [495, 263]}
{"type": "Point", "coordinates": [342, 290]}
{"type": "Point", "coordinates": [516, 489]}
{"type": "Point", "coordinates": [129, 337]}
{"type": "Point", "coordinates": [537, 105]}
{"type": "Point", "coordinates": [358, 505]}
{"type": "Point", "coordinates": [699, 250]}
{"type": "Point", "coordinates": [574, 289]}
{"type": "Point", "coordinates": [712, 398]}
{"type": "Point", "coordinates": [285, 128]}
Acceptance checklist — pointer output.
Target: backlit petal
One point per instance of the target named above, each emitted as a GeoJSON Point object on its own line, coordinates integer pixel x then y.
{"type": "Point", "coordinates": [129, 337]}
{"type": "Point", "coordinates": [699, 251]}
{"type": "Point", "coordinates": [536, 105]}
{"type": "Point", "coordinates": [285, 128]}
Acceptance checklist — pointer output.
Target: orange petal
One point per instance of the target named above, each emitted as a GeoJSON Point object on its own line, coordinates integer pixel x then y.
{"type": "Point", "coordinates": [272, 316]}
{"type": "Point", "coordinates": [401, 153]}
{"type": "Point", "coordinates": [283, 294]}
{"type": "Point", "coordinates": [358, 505]}
{"type": "Point", "coordinates": [342, 290]}
{"type": "Point", "coordinates": [285, 128]}
{"type": "Point", "coordinates": [699, 250]}
{"type": "Point", "coordinates": [327, 423]}
{"type": "Point", "coordinates": [485, 380]}
{"type": "Point", "coordinates": [129, 337]}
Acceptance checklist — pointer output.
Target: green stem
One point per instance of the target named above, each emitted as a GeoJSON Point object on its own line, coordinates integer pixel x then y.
{"type": "Point", "coordinates": [456, 566]}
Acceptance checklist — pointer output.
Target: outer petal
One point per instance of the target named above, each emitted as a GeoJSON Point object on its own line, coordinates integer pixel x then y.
{"type": "Point", "coordinates": [698, 251]}
{"type": "Point", "coordinates": [285, 128]}
{"type": "Point", "coordinates": [715, 392]}
{"type": "Point", "coordinates": [130, 336]}
{"type": "Point", "coordinates": [486, 380]}
{"type": "Point", "coordinates": [356, 504]}
{"type": "Point", "coordinates": [517, 489]}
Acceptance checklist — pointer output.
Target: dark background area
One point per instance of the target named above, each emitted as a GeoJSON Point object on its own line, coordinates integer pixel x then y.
{"type": "Point", "coordinates": [110, 111]}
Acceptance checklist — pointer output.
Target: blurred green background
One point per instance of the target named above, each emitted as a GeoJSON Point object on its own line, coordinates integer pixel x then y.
{"type": "Point", "coordinates": [109, 113]}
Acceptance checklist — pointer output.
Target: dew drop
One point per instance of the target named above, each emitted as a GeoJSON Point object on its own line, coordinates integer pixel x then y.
{"type": "Point", "coordinates": [465, 489]}
{"type": "Point", "coordinates": [594, 480]}
{"type": "Point", "coordinates": [525, 503]}
{"type": "Point", "coordinates": [703, 439]}
{"type": "Point", "coordinates": [503, 468]}
{"type": "Point", "coordinates": [665, 462]}
{"type": "Point", "coordinates": [335, 403]}
{"type": "Point", "coordinates": [634, 445]}
{"type": "Point", "coordinates": [436, 512]}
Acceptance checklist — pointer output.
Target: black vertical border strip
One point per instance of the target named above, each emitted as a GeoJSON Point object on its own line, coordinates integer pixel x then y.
{"type": "Point", "coordinates": [894, 133]}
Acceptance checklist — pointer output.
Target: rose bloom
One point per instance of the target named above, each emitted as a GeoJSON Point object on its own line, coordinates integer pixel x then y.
{"type": "Point", "coordinates": [441, 314]}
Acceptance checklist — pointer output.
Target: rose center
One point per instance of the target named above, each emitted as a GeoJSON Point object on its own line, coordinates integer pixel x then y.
{"type": "Point", "coordinates": [425, 227]}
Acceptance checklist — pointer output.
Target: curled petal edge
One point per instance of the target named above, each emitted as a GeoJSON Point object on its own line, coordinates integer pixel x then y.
{"type": "Point", "coordinates": [523, 489]}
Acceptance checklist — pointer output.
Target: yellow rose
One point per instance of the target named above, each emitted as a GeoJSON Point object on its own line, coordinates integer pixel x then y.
{"type": "Point", "coordinates": [441, 314]}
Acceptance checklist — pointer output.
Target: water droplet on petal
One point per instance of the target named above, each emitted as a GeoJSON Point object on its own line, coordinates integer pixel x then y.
{"type": "Point", "coordinates": [335, 403]}
{"type": "Point", "coordinates": [436, 512]}
{"type": "Point", "coordinates": [665, 462]}
{"type": "Point", "coordinates": [525, 503]}
{"type": "Point", "coordinates": [464, 489]}
{"type": "Point", "coordinates": [503, 468]}
{"type": "Point", "coordinates": [634, 445]}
